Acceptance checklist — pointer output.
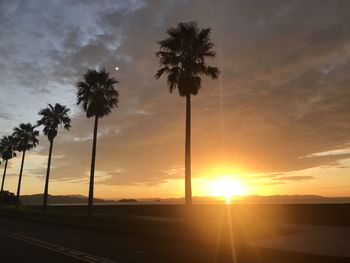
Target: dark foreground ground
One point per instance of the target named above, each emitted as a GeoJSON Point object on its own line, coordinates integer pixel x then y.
{"type": "Point", "coordinates": [166, 233]}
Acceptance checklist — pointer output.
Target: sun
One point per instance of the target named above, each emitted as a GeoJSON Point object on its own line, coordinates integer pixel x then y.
{"type": "Point", "coordinates": [226, 187]}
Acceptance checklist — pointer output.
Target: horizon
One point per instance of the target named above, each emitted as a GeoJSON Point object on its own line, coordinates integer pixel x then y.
{"type": "Point", "coordinates": [203, 196]}
{"type": "Point", "coordinates": [275, 122]}
{"type": "Point", "coordinates": [233, 199]}
{"type": "Point", "coordinates": [80, 200]}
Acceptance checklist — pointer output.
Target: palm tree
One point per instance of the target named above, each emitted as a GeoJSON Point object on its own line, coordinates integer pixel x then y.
{"type": "Point", "coordinates": [52, 117]}
{"type": "Point", "coordinates": [7, 151]}
{"type": "Point", "coordinates": [98, 96]}
{"type": "Point", "coordinates": [26, 138]}
{"type": "Point", "coordinates": [182, 57]}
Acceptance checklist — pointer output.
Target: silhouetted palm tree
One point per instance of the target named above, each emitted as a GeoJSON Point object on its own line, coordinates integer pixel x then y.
{"type": "Point", "coordinates": [26, 138]}
{"type": "Point", "coordinates": [52, 117]}
{"type": "Point", "coordinates": [98, 96]}
{"type": "Point", "coordinates": [183, 57]}
{"type": "Point", "coordinates": [7, 151]}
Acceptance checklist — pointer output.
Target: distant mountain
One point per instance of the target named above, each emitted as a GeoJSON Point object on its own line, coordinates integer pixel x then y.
{"type": "Point", "coordinates": [127, 201]}
{"type": "Point", "coordinates": [255, 199]}
{"type": "Point", "coordinates": [37, 199]}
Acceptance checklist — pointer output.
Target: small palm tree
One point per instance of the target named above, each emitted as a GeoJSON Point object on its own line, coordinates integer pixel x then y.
{"type": "Point", "coordinates": [52, 118]}
{"type": "Point", "coordinates": [7, 152]}
{"type": "Point", "coordinates": [26, 138]}
{"type": "Point", "coordinates": [98, 96]}
{"type": "Point", "coordinates": [183, 57]}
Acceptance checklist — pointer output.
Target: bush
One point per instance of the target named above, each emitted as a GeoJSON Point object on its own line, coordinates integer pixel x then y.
{"type": "Point", "coordinates": [8, 198]}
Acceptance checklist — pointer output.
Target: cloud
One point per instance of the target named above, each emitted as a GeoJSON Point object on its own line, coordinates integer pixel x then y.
{"type": "Point", "coordinates": [293, 178]}
{"type": "Point", "coordinates": [5, 116]}
{"type": "Point", "coordinates": [343, 152]}
{"type": "Point", "coordinates": [282, 95]}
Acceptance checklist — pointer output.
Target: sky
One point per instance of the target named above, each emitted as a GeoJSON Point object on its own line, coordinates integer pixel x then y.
{"type": "Point", "coordinates": [277, 121]}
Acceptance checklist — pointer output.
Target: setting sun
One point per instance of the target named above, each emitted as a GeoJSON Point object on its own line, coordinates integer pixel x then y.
{"type": "Point", "coordinates": [226, 187]}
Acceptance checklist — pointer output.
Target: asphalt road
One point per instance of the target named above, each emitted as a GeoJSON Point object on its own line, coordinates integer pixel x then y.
{"type": "Point", "coordinates": [13, 250]}
{"type": "Point", "coordinates": [27, 241]}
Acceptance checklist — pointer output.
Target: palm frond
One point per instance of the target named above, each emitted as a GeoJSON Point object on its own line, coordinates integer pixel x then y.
{"type": "Point", "coordinates": [52, 118]}
{"type": "Point", "coordinates": [25, 137]}
{"type": "Point", "coordinates": [96, 93]}
{"type": "Point", "coordinates": [7, 147]}
{"type": "Point", "coordinates": [182, 56]}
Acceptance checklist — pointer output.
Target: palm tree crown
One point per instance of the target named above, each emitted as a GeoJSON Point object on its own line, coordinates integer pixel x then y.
{"type": "Point", "coordinates": [97, 94]}
{"type": "Point", "coordinates": [182, 57]}
{"type": "Point", "coordinates": [25, 137]}
{"type": "Point", "coordinates": [52, 117]}
{"type": "Point", "coordinates": [7, 148]}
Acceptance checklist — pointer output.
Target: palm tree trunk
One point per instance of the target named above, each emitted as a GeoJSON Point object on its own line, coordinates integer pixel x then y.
{"type": "Point", "coordinates": [20, 180]}
{"type": "Point", "coordinates": [188, 187]}
{"type": "Point", "coordinates": [46, 190]}
{"type": "Point", "coordinates": [2, 183]}
{"type": "Point", "coordinates": [92, 171]}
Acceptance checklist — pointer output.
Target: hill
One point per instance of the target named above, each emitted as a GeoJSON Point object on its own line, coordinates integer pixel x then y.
{"type": "Point", "coordinates": [37, 199]}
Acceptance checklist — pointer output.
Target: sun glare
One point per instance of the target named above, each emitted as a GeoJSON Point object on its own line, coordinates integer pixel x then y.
{"type": "Point", "coordinates": [227, 188]}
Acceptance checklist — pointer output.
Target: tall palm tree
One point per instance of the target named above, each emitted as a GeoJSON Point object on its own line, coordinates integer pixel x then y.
{"type": "Point", "coordinates": [26, 138]}
{"type": "Point", "coordinates": [52, 118]}
{"type": "Point", "coordinates": [7, 151]}
{"type": "Point", "coordinates": [182, 57]}
{"type": "Point", "coordinates": [98, 96]}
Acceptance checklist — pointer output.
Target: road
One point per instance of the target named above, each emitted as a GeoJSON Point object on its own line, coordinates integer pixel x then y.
{"type": "Point", "coordinates": [28, 241]}
{"type": "Point", "coordinates": [321, 240]}
{"type": "Point", "coordinates": [14, 251]}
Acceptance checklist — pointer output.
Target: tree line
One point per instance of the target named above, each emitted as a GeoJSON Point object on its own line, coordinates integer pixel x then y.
{"type": "Point", "coordinates": [182, 57]}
